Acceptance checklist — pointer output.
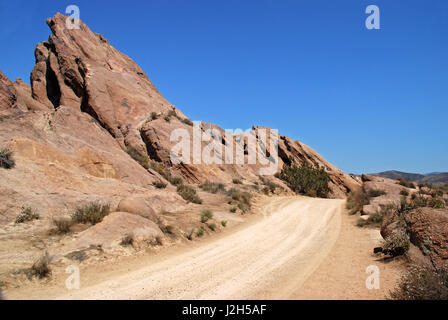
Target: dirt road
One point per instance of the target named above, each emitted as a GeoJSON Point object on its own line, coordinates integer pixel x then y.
{"type": "Point", "coordinates": [268, 259]}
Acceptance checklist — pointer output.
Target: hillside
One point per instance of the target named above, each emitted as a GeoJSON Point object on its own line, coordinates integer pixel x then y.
{"type": "Point", "coordinates": [415, 177]}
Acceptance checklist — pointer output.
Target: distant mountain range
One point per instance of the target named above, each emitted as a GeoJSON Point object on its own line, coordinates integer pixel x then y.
{"type": "Point", "coordinates": [434, 177]}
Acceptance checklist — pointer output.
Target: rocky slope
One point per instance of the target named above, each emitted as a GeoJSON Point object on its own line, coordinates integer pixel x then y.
{"type": "Point", "coordinates": [71, 132]}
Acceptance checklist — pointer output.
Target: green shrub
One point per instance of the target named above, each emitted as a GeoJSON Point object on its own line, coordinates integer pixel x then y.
{"type": "Point", "coordinates": [188, 194]}
{"type": "Point", "coordinates": [27, 214]}
{"type": "Point", "coordinates": [306, 179]}
{"type": "Point", "coordinates": [62, 224]}
{"type": "Point", "coordinates": [206, 215]}
{"type": "Point", "coordinates": [6, 159]}
{"type": "Point", "coordinates": [243, 199]}
{"type": "Point", "coordinates": [356, 200]}
{"type": "Point", "coordinates": [422, 283]}
{"type": "Point", "coordinates": [92, 212]}
{"type": "Point", "coordinates": [396, 245]}
{"type": "Point", "coordinates": [361, 223]}
{"type": "Point", "coordinates": [40, 267]}
{"type": "Point", "coordinates": [236, 181]}
{"type": "Point", "coordinates": [159, 184]}
{"type": "Point", "coordinates": [436, 203]}
{"type": "Point", "coordinates": [142, 159]}
{"type": "Point", "coordinates": [212, 226]}
{"type": "Point", "coordinates": [200, 232]}
{"type": "Point", "coordinates": [373, 193]}
{"type": "Point", "coordinates": [404, 192]}
{"type": "Point", "coordinates": [270, 186]}
{"type": "Point", "coordinates": [212, 187]}
{"type": "Point", "coordinates": [224, 223]}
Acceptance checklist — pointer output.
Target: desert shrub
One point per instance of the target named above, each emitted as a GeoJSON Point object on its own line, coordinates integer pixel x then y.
{"type": "Point", "coordinates": [426, 245]}
{"type": "Point", "coordinates": [159, 184]}
{"type": "Point", "coordinates": [190, 234]}
{"type": "Point", "coordinates": [236, 181]}
{"type": "Point", "coordinates": [422, 283]}
{"type": "Point", "coordinates": [407, 184]}
{"type": "Point", "coordinates": [62, 224]}
{"type": "Point", "coordinates": [243, 207]}
{"type": "Point", "coordinates": [306, 179]}
{"type": "Point", "coordinates": [418, 201]}
{"type": "Point", "coordinates": [436, 203]}
{"type": "Point", "coordinates": [142, 159]}
{"type": "Point", "coordinates": [373, 193]}
{"type": "Point", "coordinates": [167, 118]}
{"type": "Point", "coordinates": [40, 267]}
{"type": "Point", "coordinates": [243, 199]}
{"type": "Point", "coordinates": [188, 194]}
{"type": "Point", "coordinates": [92, 212]}
{"type": "Point", "coordinates": [233, 209]}
{"type": "Point", "coordinates": [361, 223]}
{"type": "Point", "coordinates": [206, 215]}
{"type": "Point", "coordinates": [6, 159]}
{"type": "Point", "coordinates": [175, 180]}
{"type": "Point", "coordinates": [27, 214]}
{"type": "Point", "coordinates": [187, 122]}
{"type": "Point", "coordinates": [376, 218]}
{"type": "Point", "coordinates": [356, 200]}
{"type": "Point", "coordinates": [200, 232]}
{"type": "Point", "coordinates": [404, 192]}
{"type": "Point", "coordinates": [212, 187]}
{"type": "Point", "coordinates": [127, 240]}
{"type": "Point", "coordinates": [212, 226]}
{"type": "Point", "coordinates": [224, 223]}
{"type": "Point", "coordinates": [396, 245]}
{"type": "Point", "coordinates": [270, 186]}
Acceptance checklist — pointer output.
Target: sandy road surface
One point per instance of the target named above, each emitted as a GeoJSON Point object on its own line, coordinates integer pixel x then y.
{"type": "Point", "coordinates": [268, 259]}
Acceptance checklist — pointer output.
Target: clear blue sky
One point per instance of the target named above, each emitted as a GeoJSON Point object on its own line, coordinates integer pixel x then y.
{"type": "Point", "coordinates": [366, 100]}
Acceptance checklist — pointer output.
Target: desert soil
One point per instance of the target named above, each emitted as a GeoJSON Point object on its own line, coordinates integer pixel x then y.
{"type": "Point", "coordinates": [294, 248]}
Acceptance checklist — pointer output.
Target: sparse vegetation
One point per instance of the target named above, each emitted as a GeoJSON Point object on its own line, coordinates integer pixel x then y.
{"type": "Point", "coordinates": [212, 226]}
{"type": "Point", "coordinates": [422, 283]}
{"type": "Point", "coordinates": [62, 224]}
{"type": "Point", "coordinates": [243, 199]}
{"type": "Point", "coordinates": [188, 194]}
{"type": "Point", "coordinates": [236, 181]}
{"type": "Point", "coordinates": [233, 209]}
{"type": "Point", "coordinates": [27, 214]}
{"type": "Point", "coordinates": [407, 184]}
{"type": "Point", "coordinates": [356, 200]}
{"type": "Point", "coordinates": [224, 223]}
{"type": "Point", "coordinates": [127, 240]}
{"type": "Point", "coordinates": [159, 184]}
{"type": "Point", "coordinates": [41, 267]}
{"type": "Point", "coordinates": [212, 187]}
{"type": "Point", "coordinates": [142, 159]}
{"type": "Point", "coordinates": [200, 232]}
{"type": "Point", "coordinates": [404, 192]}
{"type": "Point", "coordinates": [270, 187]}
{"type": "Point", "coordinates": [396, 245]}
{"type": "Point", "coordinates": [436, 203]}
{"type": "Point", "coordinates": [206, 215]}
{"type": "Point", "coordinates": [6, 159]}
{"type": "Point", "coordinates": [190, 234]}
{"type": "Point", "coordinates": [306, 179]}
{"type": "Point", "coordinates": [92, 212]}
{"type": "Point", "coordinates": [373, 193]}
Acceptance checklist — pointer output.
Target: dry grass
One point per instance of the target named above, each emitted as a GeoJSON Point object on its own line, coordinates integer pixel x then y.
{"type": "Point", "coordinates": [40, 267]}
{"type": "Point", "coordinates": [62, 224]}
{"type": "Point", "coordinates": [92, 212]}
{"type": "Point", "coordinates": [27, 214]}
{"type": "Point", "coordinates": [188, 194]}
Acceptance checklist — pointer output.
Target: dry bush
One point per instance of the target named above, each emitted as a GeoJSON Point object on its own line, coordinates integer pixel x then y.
{"type": "Point", "coordinates": [92, 212]}
{"type": "Point", "coordinates": [6, 159]}
{"type": "Point", "coordinates": [27, 214]}
{"type": "Point", "coordinates": [212, 187]}
{"type": "Point", "coordinates": [62, 224]}
{"type": "Point", "coordinates": [127, 240]}
{"type": "Point", "coordinates": [396, 245]}
{"type": "Point", "coordinates": [373, 193]}
{"type": "Point", "coordinates": [422, 283]}
{"type": "Point", "coordinates": [159, 184]}
{"type": "Point", "coordinates": [356, 200]}
{"type": "Point", "coordinates": [236, 181]}
{"type": "Point", "coordinates": [188, 194]}
{"type": "Point", "coordinates": [142, 159]}
{"type": "Point", "coordinates": [40, 267]}
{"type": "Point", "coordinates": [212, 226]}
{"type": "Point", "coordinates": [404, 192]}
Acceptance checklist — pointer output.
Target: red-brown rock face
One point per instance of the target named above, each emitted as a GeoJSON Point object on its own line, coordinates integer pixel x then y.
{"type": "Point", "coordinates": [86, 104]}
